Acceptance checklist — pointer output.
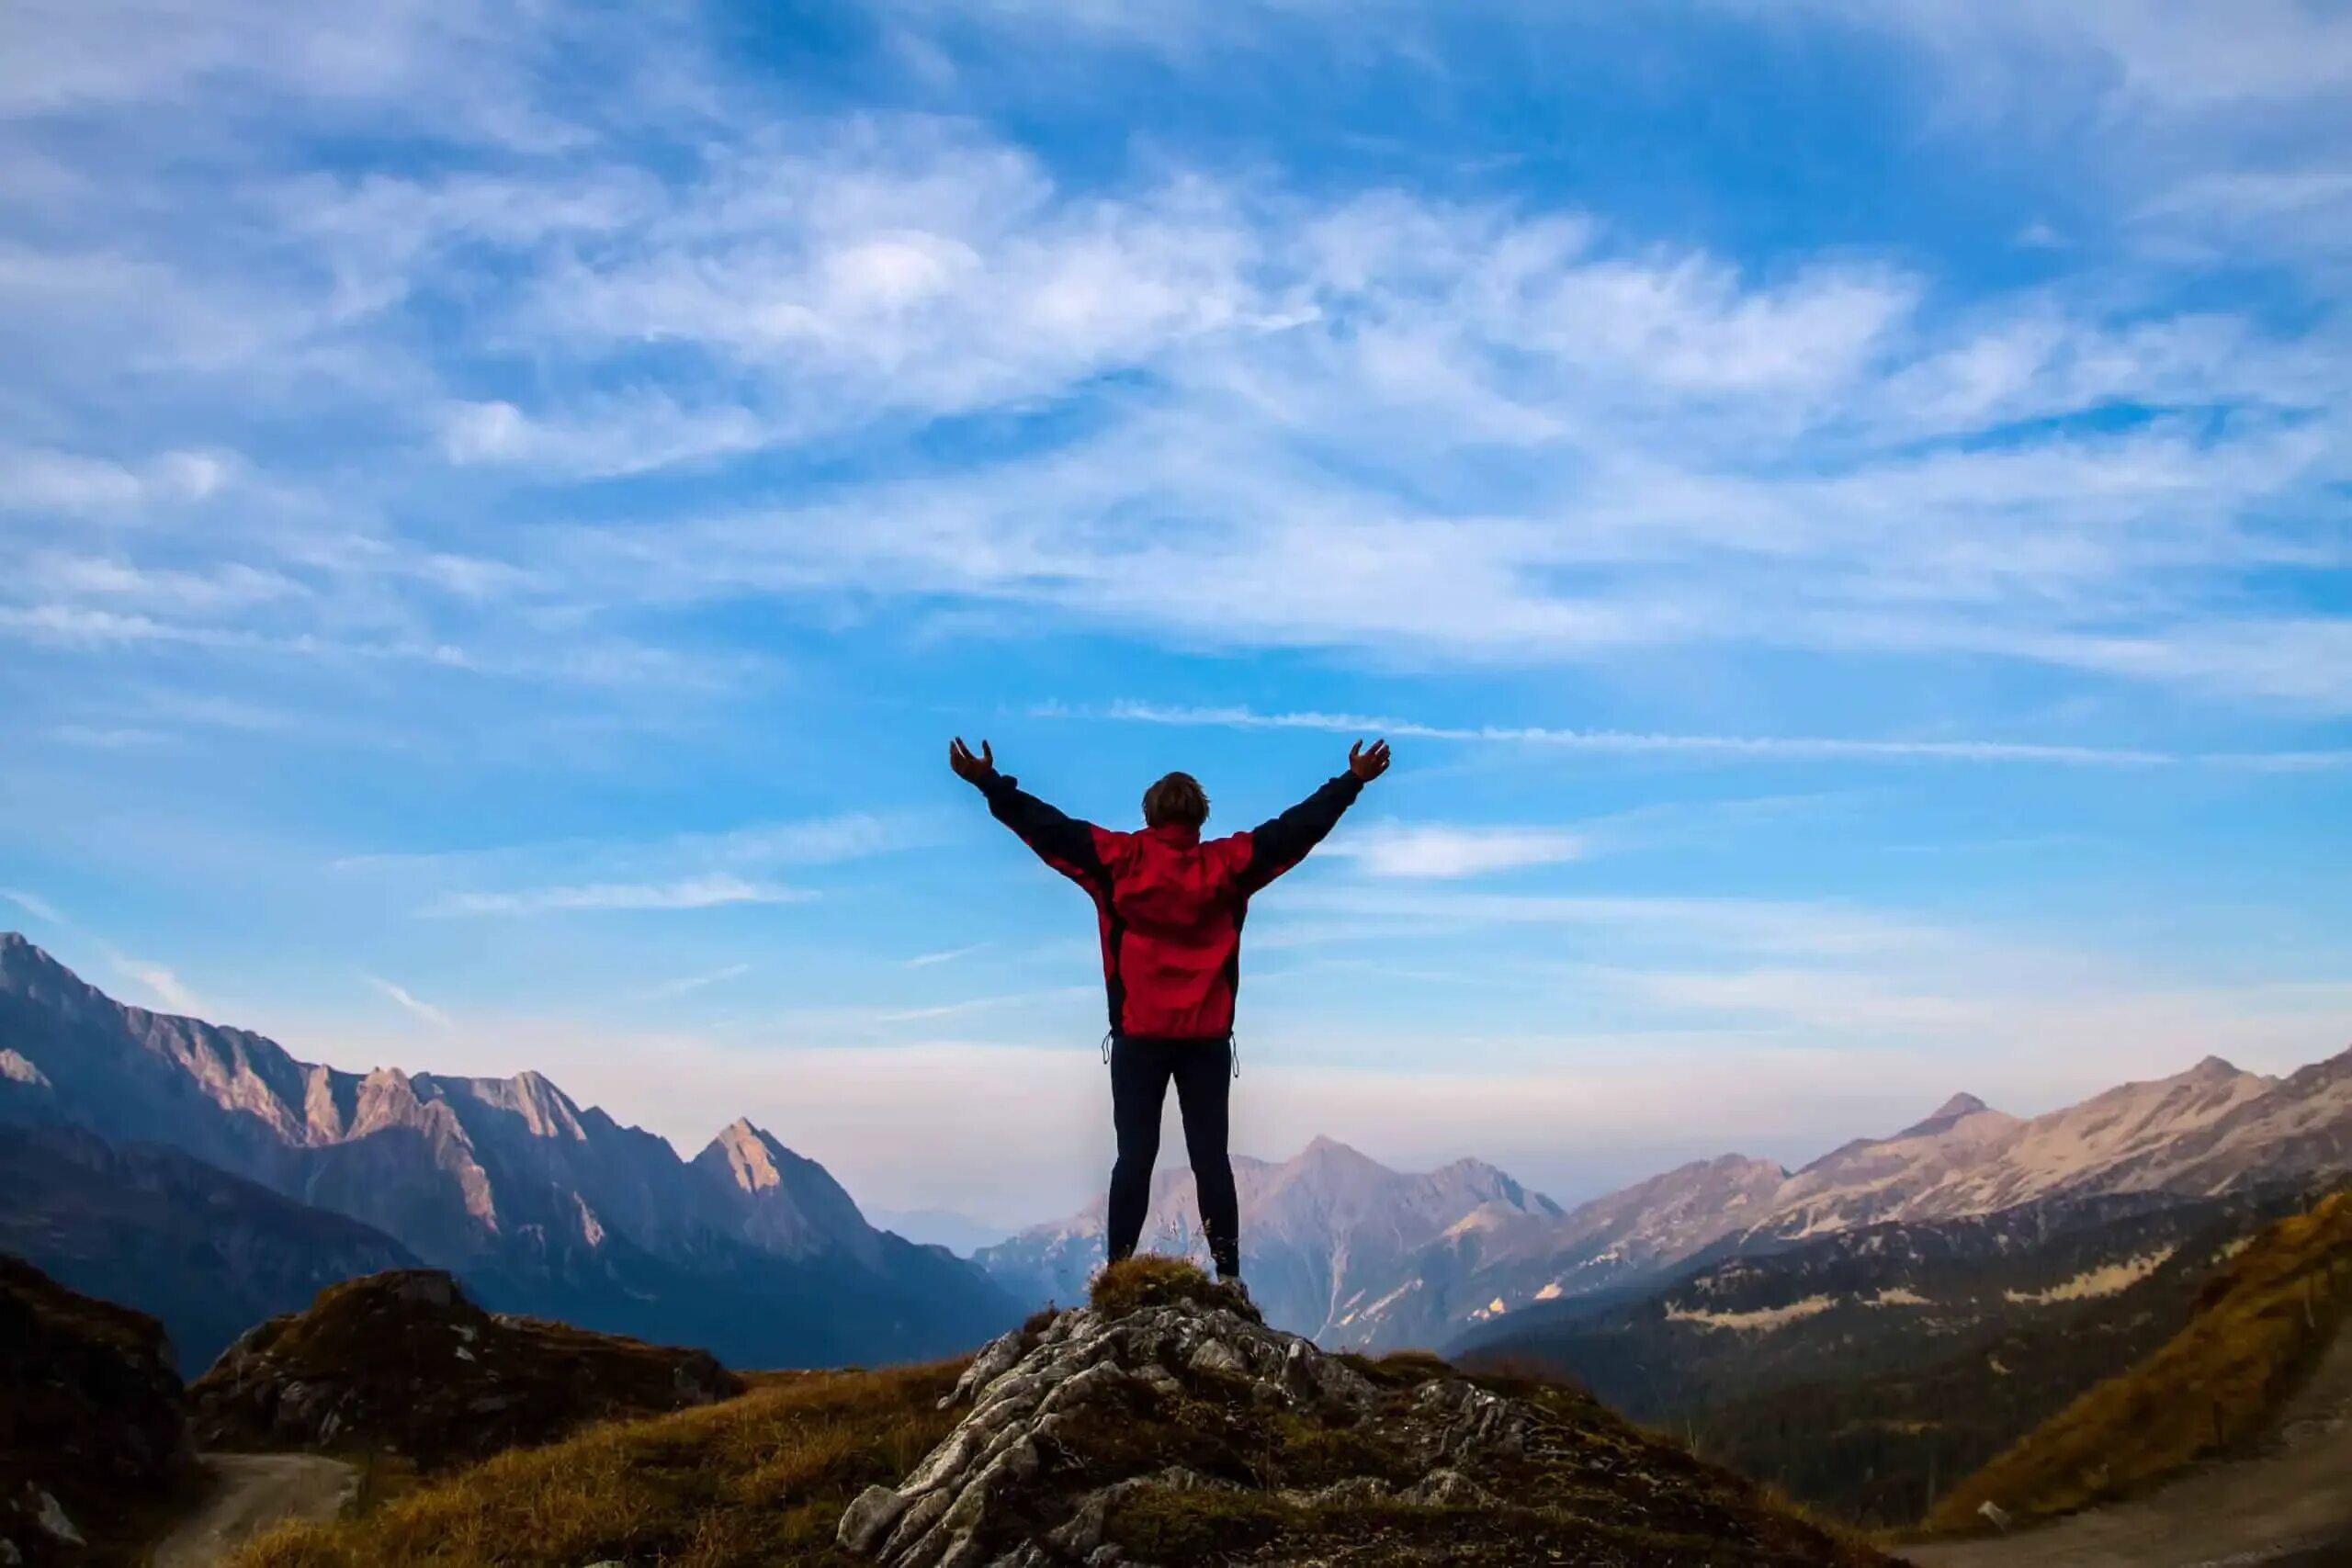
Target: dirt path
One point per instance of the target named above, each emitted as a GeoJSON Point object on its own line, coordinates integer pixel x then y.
{"type": "Point", "coordinates": [252, 1492]}
{"type": "Point", "coordinates": [2288, 1507]}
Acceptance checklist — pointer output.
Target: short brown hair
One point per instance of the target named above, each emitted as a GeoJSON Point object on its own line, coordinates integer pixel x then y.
{"type": "Point", "coordinates": [1177, 800]}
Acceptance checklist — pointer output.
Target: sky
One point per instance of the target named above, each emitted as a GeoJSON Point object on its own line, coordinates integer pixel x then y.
{"type": "Point", "coordinates": [1840, 508]}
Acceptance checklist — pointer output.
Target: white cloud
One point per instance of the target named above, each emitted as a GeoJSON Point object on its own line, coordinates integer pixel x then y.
{"type": "Point", "coordinates": [160, 982]}
{"type": "Point", "coordinates": [690, 893]}
{"type": "Point", "coordinates": [925, 960]}
{"type": "Point", "coordinates": [1440, 851]}
{"type": "Point", "coordinates": [39, 909]}
{"type": "Point", "coordinates": [1795, 748]}
{"type": "Point", "coordinates": [409, 1002]}
{"type": "Point", "coordinates": [1369, 420]}
{"type": "Point", "coordinates": [688, 983]}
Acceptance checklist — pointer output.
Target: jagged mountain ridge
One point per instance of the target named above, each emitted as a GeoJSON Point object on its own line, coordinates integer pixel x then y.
{"type": "Point", "coordinates": [1318, 1231]}
{"type": "Point", "coordinates": [542, 1205]}
{"type": "Point", "coordinates": [2210, 1130]}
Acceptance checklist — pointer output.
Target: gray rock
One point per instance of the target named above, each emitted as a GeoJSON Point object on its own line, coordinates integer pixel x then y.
{"type": "Point", "coordinates": [1002, 1490]}
{"type": "Point", "coordinates": [869, 1517]}
{"type": "Point", "coordinates": [1354, 1492]}
{"type": "Point", "coordinates": [1218, 1357]}
{"type": "Point", "coordinates": [51, 1518]}
{"type": "Point", "coordinates": [1448, 1488]}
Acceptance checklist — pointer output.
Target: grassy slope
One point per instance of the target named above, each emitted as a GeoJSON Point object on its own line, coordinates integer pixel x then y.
{"type": "Point", "coordinates": [761, 1479]}
{"type": "Point", "coordinates": [2260, 1326]}
{"type": "Point", "coordinates": [757, 1479]}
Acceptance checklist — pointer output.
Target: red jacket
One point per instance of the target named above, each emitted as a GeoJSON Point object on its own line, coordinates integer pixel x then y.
{"type": "Point", "coordinates": [1169, 906]}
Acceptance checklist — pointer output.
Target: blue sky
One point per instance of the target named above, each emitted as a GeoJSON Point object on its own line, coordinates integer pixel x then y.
{"type": "Point", "coordinates": [1841, 510]}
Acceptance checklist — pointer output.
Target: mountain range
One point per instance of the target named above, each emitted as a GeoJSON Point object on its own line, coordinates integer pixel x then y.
{"type": "Point", "coordinates": [1359, 1256]}
{"type": "Point", "coordinates": [222, 1164]}
{"type": "Point", "coordinates": [540, 1205]}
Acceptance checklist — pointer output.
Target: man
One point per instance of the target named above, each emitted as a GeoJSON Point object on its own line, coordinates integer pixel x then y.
{"type": "Point", "coordinates": [1171, 910]}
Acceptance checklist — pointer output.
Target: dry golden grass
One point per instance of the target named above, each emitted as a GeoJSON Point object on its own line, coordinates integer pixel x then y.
{"type": "Point", "coordinates": [759, 1480]}
{"type": "Point", "coordinates": [1149, 1279]}
{"type": "Point", "coordinates": [2259, 1327]}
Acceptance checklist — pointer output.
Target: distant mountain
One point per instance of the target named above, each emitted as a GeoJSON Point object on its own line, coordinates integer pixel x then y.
{"type": "Point", "coordinates": [788, 1205]}
{"type": "Point", "coordinates": [1478, 1271]}
{"type": "Point", "coordinates": [959, 1233]}
{"type": "Point", "coordinates": [208, 1253]}
{"type": "Point", "coordinates": [1321, 1234]}
{"type": "Point", "coordinates": [1968, 1159]}
{"type": "Point", "coordinates": [539, 1204]}
{"type": "Point", "coordinates": [1418, 1260]}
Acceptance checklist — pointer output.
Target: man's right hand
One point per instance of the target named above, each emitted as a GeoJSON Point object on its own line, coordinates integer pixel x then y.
{"type": "Point", "coordinates": [1368, 765]}
{"type": "Point", "coordinates": [969, 768]}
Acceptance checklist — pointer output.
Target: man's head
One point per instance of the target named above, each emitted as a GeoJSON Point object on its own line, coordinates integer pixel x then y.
{"type": "Point", "coordinates": [1176, 801]}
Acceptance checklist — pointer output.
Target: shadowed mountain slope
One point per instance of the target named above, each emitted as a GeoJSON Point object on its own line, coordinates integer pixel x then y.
{"type": "Point", "coordinates": [542, 1205]}
{"type": "Point", "coordinates": [209, 1253]}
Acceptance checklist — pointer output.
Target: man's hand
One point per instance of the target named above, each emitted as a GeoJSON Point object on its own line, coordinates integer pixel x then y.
{"type": "Point", "coordinates": [1368, 765]}
{"type": "Point", "coordinates": [971, 769]}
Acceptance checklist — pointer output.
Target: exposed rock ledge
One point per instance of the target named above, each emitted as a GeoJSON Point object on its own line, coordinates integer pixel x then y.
{"type": "Point", "coordinates": [1184, 1431]}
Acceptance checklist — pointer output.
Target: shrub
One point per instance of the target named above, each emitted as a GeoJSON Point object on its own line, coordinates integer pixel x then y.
{"type": "Point", "coordinates": [1150, 1281]}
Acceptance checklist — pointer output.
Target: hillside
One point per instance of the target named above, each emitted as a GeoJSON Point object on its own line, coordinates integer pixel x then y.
{"type": "Point", "coordinates": [543, 1206]}
{"type": "Point", "coordinates": [93, 1436]}
{"type": "Point", "coordinates": [2258, 1328]}
{"type": "Point", "coordinates": [1862, 1370]}
{"type": "Point", "coordinates": [1161, 1425]}
{"type": "Point", "coordinates": [209, 1253]}
{"type": "Point", "coordinates": [404, 1364]}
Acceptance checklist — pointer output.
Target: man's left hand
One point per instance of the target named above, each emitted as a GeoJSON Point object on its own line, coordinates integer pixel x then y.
{"type": "Point", "coordinates": [969, 768]}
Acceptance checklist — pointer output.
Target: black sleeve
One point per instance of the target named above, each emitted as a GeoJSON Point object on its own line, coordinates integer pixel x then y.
{"type": "Point", "coordinates": [1070, 846]}
{"type": "Point", "coordinates": [1281, 843]}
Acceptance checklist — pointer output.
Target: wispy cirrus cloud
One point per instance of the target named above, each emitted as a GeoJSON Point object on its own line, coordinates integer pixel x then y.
{"type": "Point", "coordinates": [159, 981]}
{"type": "Point", "coordinates": [409, 1002]}
{"type": "Point", "coordinates": [1440, 851]}
{"type": "Point", "coordinates": [690, 893]}
{"type": "Point", "coordinates": [947, 956]}
{"type": "Point", "coordinates": [33, 904]}
{"type": "Point", "coordinates": [685, 985]}
{"type": "Point", "coordinates": [680, 871]}
{"type": "Point", "coordinates": [1798, 747]}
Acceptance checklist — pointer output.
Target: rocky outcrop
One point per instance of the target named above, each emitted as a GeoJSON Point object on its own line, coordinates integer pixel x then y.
{"type": "Point", "coordinates": [403, 1363]}
{"type": "Point", "coordinates": [1181, 1429]}
{"type": "Point", "coordinates": [92, 1422]}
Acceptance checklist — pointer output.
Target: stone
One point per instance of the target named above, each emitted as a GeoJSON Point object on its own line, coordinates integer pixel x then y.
{"type": "Point", "coordinates": [1012, 1485]}
{"type": "Point", "coordinates": [1217, 1357]}
{"type": "Point", "coordinates": [1448, 1488]}
{"type": "Point", "coordinates": [869, 1517]}
{"type": "Point", "coordinates": [51, 1518]}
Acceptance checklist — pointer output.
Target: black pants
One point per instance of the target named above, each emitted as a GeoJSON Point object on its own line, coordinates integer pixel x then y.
{"type": "Point", "coordinates": [1140, 1069]}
